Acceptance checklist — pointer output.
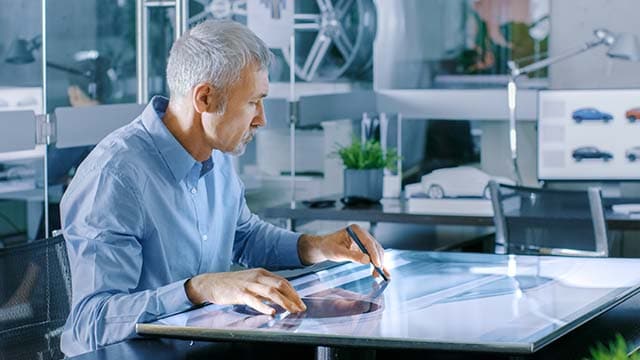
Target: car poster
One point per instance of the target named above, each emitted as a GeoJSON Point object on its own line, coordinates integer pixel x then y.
{"type": "Point", "coordinates": [589, 135]}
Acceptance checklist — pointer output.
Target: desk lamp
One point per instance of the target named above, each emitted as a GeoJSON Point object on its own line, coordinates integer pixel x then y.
{"type": "Point", "coordinates": [621, 46]}
{"type": "Point", "coordinates": [21, 52]}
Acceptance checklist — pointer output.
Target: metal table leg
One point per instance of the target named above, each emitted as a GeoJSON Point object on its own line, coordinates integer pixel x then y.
{"type": "Point", "coordinates": [333, 353]}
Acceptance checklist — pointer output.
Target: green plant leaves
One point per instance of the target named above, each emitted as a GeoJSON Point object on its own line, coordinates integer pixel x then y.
{"type": "Point", "coordinates": [367, 156]}
{"type": "Point", "coordinates": [617, 350]}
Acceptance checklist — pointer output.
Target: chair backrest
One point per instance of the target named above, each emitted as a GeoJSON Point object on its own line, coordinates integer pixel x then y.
{"type": "Point", "coordinates": [35, 298]}
{"type": "Point", "coordinates": [549, 222]}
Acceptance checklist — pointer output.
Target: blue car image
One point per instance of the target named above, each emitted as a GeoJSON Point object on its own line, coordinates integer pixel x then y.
{"type": "Point", "coordinates": [590, 152]}
{"type": "Point", "coordinates": [591, 114]}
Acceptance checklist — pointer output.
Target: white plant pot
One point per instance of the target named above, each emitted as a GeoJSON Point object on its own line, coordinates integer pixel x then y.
{"type": "Point", "coordinates": [391, 186]}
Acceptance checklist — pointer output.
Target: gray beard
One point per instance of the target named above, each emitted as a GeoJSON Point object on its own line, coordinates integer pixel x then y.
{"type": "Point", "coordinates": [242, 146]}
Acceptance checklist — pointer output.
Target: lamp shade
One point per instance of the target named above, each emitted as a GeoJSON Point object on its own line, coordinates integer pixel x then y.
{"type": "Point", "coordinates": [625, 47]}
{"type": "Point", "coordinates": [20, 52]}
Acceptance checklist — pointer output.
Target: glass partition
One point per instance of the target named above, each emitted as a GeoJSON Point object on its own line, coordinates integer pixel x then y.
{"type": "Point", "coordinates": [20, 100]}
{"type": "Point", "coordinates": [91, 58]}
{"type": "Point", "coordinates": [90, 52]}
{"type": "Point", "coordinates": [91, 61]}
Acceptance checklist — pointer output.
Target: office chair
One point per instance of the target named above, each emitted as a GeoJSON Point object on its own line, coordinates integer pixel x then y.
{"type": "Point", "coordinates": [549, 222]}
{"type": "Point", "coordinates": [35, 298]}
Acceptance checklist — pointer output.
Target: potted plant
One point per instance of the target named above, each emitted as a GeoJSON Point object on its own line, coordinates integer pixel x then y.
{"type": "Point", "coordinates": [364, 168]}
{"type": "Point", "coordinates": [617, 350]}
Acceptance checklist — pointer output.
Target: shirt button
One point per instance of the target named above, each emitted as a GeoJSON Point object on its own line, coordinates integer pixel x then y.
{"type": "Point", "coordinates": [194, 190]}
{"type": "Point", "coordinates": [204, 237]}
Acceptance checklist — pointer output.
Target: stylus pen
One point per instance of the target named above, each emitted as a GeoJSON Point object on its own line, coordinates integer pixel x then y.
{"type": "Point", "coordinates": [356, 240]}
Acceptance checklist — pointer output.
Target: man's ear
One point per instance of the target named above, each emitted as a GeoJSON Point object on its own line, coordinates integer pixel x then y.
{"type": "Point", "coordinates": [206, 98]}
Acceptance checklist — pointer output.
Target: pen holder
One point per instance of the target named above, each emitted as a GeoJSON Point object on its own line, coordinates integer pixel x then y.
{"type": "Point", "coordinates": [391, 186]}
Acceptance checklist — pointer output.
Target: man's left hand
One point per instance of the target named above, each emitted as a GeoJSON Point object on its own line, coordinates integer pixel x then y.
{"type": "Point", "coordinates": [338, 246]}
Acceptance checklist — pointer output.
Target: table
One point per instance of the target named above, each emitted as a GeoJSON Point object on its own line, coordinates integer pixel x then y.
{"type": "Point", "coordinates": [622, 319]}
{"type": "Point", "coordinates": [395, 211]}
{"type": "Point", "coordinates": [437, 302]}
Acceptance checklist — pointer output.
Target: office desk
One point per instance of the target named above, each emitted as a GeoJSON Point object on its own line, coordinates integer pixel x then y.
{"type": "Point", "coordinates": [437, 302]}
{"type": "Point", "coordinates": [623, 319]}
{"type": "Point", "coordinates": [395, 211]}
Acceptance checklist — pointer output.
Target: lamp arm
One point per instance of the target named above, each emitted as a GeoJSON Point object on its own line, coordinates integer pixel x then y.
{"type": "Point", "coordinates": [69, 70]}
{"type": "Point", "coordinates": [515, 71]}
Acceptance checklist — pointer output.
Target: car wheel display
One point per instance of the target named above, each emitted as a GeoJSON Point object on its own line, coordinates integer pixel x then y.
{"type": "Point", "coordinates": [435, 192]}
{"type": "Point", "coordinates": [334, 39]}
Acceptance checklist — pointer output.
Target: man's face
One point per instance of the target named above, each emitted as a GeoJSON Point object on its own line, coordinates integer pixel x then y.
{"type": "Point", "coordinates": [232, 130]}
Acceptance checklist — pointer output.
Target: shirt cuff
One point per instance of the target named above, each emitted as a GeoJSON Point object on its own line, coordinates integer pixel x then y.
{"type": "Point", "coordinates": [173, 297]}
{"type": "Point", "coordinates": [287, 250]}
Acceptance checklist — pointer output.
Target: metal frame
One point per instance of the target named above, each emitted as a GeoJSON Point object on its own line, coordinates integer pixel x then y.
{"type": "Point", "coordinates": [597, 216]}
{"type": "Point", "coordinates": [103, 120]}
{"type": "Point", "coordinates": [501, 246]}
{"type": "Point", "coordinates": [142, 37]}
{"type": "Point", "coordinates": [45, 170]}
{"type": "Point", "coordinates": [456, 104]}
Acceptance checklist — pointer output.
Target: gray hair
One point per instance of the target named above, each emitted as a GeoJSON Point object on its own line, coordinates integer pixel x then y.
{"type": "Point", "coordinates": [214, 52]}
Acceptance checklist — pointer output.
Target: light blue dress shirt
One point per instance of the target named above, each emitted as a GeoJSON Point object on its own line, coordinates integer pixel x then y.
{"type": "Point", "coordinates": [140, 217]}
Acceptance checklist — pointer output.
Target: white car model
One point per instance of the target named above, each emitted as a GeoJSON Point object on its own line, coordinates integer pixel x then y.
{"type": "Point", "coordinates": [459, 181]}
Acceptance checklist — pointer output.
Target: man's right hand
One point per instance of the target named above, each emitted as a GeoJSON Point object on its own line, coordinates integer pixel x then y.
{"type": "Point", "coordinates": [250, 287]}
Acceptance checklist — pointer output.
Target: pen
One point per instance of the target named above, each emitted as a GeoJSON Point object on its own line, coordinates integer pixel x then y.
{"type": "Point", "coordinates": [356, 240]}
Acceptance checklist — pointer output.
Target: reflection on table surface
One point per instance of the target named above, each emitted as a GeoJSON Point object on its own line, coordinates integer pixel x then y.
{"type": "Point", "coordinates": [435, 300]}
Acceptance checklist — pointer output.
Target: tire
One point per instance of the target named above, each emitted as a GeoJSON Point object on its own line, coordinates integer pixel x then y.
{"type": "Point", "coordinates": [578, 119]}
{"type": "Point", "coordinates": [435, 192]}
{"type": "Point", "coordinates": [632, 118]}
{"type": "Point", "coordinates": [631, 157]}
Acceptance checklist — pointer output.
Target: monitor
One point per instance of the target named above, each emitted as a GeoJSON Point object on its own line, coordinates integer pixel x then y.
{"type": "Point", "coordinates": [589, 135]}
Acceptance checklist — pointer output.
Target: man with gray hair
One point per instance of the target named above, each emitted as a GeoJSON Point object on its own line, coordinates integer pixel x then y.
{"type": "Point", "coordinates": [155, 215]}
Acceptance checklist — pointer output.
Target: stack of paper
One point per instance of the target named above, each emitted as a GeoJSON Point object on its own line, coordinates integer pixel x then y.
{"type": "Point", "coordinates": [451, 206]}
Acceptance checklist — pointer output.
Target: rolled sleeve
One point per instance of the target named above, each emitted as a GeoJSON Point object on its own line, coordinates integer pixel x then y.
{"type": "Point", "coordinates": [287, 249]}
{"type": "Point", "coordinates": [173, 297]}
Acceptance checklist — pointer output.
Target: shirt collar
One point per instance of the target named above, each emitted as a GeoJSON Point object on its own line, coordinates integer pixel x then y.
{"type": "Point", "coordinates": [179, 161]}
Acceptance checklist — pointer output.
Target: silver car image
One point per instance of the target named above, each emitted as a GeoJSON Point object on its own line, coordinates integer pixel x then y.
{"type": "Point", "coordinates": [590, 152]}
{"type": "Point", "coordinates": [633, 153]}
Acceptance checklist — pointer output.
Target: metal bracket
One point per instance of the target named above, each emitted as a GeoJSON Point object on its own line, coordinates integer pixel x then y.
{"type": "Point", "coordinates": [294, 111]}
{"type": "Point", "coordinates": [45, 130]}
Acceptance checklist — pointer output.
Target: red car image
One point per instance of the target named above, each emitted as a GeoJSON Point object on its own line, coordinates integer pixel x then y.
{"type": "Point", "coordinates": [633, 114]}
